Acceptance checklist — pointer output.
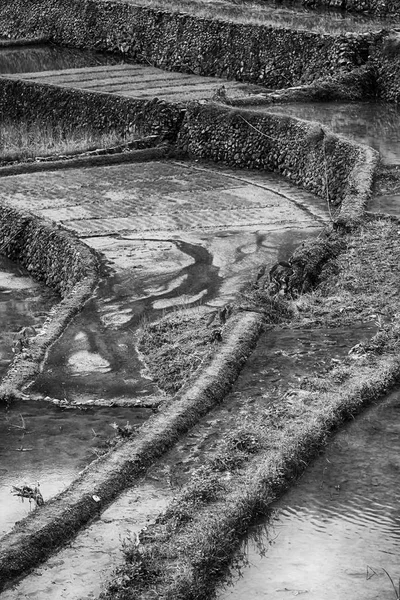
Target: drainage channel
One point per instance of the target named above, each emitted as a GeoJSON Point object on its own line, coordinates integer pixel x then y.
{"type": "Point", "coordinates": [336, 533]}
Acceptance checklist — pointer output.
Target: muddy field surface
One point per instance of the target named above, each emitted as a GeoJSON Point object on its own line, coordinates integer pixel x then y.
{"type": "Point", "coordinates": [166, 242]}
{"type": "Point", "coordinates": [282, 359]}
{"type": "Point", "coordinates": [138, 81]}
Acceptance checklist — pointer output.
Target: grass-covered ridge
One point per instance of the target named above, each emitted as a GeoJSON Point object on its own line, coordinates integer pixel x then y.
{"type": "Point", "coordinates": [186, 552]}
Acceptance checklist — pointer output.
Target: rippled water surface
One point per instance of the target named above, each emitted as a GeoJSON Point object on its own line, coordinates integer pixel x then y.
{"type": "Point", "coordinates": [377, 125]}
{"type": "Point", "coordinates": [337, 531]}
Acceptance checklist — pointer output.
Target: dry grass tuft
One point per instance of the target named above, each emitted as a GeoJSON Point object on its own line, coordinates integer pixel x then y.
{"type": "Point", "coordinates": [23, 140]}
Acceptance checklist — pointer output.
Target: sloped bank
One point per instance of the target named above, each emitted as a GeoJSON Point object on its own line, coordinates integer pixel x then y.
{"type": "Point", "coordinates": [61, 261]}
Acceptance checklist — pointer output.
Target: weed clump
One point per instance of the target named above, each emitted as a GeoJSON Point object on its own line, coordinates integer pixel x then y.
{"type": "Point", "coordinates": [20, 141]}
{"type": "Point", "coordinates": [175, 346]}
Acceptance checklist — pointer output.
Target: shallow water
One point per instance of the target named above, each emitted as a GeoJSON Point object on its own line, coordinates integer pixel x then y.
{"type": "Point", "coordinates": [374, 124]}
{"type": "Point", "coordinates": [333, 535]}
{"type": "Point", "coordinates": [96, 357]}
{"type": "Point", "coordinates": [45, 444]}
{"type": "Point", "coordinates": [40, 442]}
{"type": "Point", "coordinates": [23, 302]}
{"type": "Point", "coordinates": [31, 59]}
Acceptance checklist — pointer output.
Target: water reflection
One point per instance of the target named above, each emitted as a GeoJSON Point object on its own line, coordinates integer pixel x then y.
{"type": "Point", "coordinates": [23, 303]}
{"type": "Point", "coordinates": [377, 125]}
{"type": "Point", "coordinates": [96, 357]}
{"type": "Point", "coordinates": [337, 531]}
{"type": "Point", "coordinates": [45, 444]}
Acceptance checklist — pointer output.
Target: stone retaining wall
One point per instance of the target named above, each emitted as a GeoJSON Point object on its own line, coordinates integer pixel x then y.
{"type": "Point", "coordinates": [83, 109]}
{"type": "Point", "coordinates": [385, 59]}
{"type": "Point", "coordinates": [62, 262]}
{"type": "Point", "coordinates": [274, 57]}
{"type": "Point", "coordinates": [304, 152]}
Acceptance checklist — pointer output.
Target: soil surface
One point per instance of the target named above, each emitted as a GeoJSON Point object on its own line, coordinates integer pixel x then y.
{"type": "Point", "coordinates": [138, 81]}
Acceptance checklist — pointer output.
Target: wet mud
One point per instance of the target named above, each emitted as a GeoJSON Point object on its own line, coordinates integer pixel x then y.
{"type": "Point", "coordinates": [278, 364]}
{"type": "Point", "coordinates": [96, 358]}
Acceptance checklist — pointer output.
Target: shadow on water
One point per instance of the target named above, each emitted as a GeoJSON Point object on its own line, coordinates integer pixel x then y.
{"type": "Point", "coordinates": [337, 531]}
{"type": "Point", "coordinates": [32, 59]}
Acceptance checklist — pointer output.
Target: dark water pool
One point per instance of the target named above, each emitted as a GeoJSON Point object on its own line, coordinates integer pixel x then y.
{"type": "Point", "coordinates": [374, 124]}
{"type": "Point", "coordinates": [31, 59]}
{"type": "Point", "coordinates": [336, 533]}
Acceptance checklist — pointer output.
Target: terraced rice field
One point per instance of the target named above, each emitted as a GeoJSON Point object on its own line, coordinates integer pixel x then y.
{"type": "Point", "coordinates": [138, 81]}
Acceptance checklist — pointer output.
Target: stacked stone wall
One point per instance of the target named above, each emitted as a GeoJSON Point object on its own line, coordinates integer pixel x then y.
{"type": "Point", "coordinates": [266, 55]}
{"type": "Point", "coordinates": [303, 152]}
{"type": "Point", "coordinates": [74, 108]}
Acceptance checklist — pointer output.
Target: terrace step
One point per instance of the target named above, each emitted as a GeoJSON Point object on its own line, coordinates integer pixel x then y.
{"type": "Point", "coordinates": [138, 81]}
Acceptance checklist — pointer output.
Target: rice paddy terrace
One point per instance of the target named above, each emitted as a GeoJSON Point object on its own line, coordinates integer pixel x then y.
{"type": "Point", "coordinates": [169, 233]}
{"type": "Point", "coordinates": [138, 81]}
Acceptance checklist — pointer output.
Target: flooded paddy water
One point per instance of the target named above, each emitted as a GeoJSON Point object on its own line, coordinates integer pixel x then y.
{"type": "Point", "coordinates": [374, 124]}
{"type": "Point", "coordinates": [23, 303]}
{"type": "Point", "coordinates": [96, 358]}
{"type": "Point", "coordinates": [336, 533]}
